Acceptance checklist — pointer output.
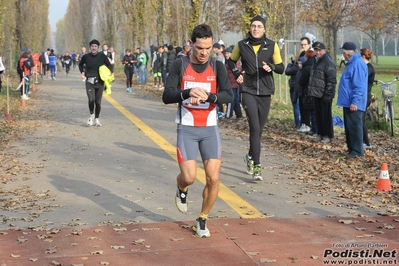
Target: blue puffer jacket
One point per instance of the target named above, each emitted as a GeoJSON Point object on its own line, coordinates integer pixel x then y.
{"type": "Point", "coordinates": [352, 87]}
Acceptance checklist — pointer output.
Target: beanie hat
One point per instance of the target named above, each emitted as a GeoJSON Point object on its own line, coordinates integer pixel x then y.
{"type": "Point", "coordinates": [94, 41]}
{"type": "Point", "coordinates": [228, 50]}
{"type": "Point", "coordinates": [259, 18]}
{"type": "Point", "coordinates": [216, 45]}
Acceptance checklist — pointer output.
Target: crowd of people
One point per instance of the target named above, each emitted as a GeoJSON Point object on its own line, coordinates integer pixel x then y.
{"type": "Point", "coordinates": [313, 80]}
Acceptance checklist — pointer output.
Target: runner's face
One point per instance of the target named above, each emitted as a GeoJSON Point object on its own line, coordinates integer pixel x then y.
{"type": "Point", "coordinates": [257, 29]}
{"type": "Point", "coordinates": [201, 50]}
{"type": "Point", "coordinates": [94, 48]}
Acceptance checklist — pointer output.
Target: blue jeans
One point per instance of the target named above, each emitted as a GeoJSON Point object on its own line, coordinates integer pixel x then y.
{"type": "Point", "coordinates": [235, 105]}
{"type": "Point", "coordinates": [142, 79]}
{"type": "Point", "coordinates": [353, 122]}
{"type": "Point", "coordinates": [164, 76]}
{"type": "Point", "coordinates": [53, 71]}
{"type": "Point", "coordinates": [295, 107]}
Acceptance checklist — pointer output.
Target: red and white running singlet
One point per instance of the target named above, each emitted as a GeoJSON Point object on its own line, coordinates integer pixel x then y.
{"type": "Point", "coordinates": [204, 114]}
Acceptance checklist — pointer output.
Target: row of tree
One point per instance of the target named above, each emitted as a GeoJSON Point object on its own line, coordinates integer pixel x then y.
{"type": "Point", "coordinates": [128, 23]}
{"type": "Point", "coordinates": [23, 24]}
{"type": "Point", "coordinates": [131, 23]}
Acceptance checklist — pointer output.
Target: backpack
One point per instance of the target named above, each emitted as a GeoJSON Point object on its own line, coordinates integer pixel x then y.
{"type": "Point", "coordinates": [25, 65]}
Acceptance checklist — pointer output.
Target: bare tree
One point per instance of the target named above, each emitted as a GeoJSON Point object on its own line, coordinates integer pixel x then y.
{"type": "Point", "coordinates": [330, 16]}
{"type": "Point", "coordinates": [378, 24]}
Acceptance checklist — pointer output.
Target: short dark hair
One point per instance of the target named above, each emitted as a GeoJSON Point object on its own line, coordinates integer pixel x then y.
{"type": "Point", "coordinates": [306, 38]}
{"type": "Point", "coordinates": [201, 31]}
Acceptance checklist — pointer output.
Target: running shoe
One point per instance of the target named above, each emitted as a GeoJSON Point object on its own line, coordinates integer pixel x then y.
{"type": "Point", "coordinates": [200, 228]}
{"type": "Point", "coordinates": [25, 97]}
{"type": "Point", "coordinates": [257, 173]}
{"type": "Point", "coordinates": [90, 120]}
{"type": "Point", "coordinates": [97, 122]}
{"type": "Point", "coordinates": [250, 164]}
{"type": "Point", "coordinates": [181, 200]}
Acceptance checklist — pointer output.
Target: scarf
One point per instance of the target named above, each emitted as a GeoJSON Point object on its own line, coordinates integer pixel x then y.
{"type": "Point", "coordinates": [256, 41]}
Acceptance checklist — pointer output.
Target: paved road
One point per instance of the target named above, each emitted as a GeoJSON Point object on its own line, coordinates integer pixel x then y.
{"type": "Point", "coordinates": [123, 173]}
{"type": "Point", "coordinates": [126, 169]}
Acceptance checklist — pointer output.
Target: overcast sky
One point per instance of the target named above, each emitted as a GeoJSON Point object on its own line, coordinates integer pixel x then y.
{"type": "Point", "coordinates": [56, 11]}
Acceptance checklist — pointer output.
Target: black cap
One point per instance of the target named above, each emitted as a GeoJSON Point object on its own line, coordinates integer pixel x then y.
{"type": "Point", "coordinates": [228, 50]}
{"type": "Point", "coordinates": [319, 46]}
{"type": "Point", "coordinates": [216, 45]}
{"type": "Point", "coordinates": [94, 41]}
{"type": "Point", "coordinates": [259, 18]}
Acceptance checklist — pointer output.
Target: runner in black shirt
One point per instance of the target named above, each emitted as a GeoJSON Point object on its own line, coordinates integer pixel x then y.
{"type": "Point", "coordinates": [94, 85]}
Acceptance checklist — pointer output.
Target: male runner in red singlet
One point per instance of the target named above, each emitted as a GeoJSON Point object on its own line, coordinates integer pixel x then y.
{"type": "Point", "coordinates": [198, 83]}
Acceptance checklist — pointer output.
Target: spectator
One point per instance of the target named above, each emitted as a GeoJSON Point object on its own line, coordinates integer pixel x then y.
{"type": "Point", "coordinates": [171, 58]}
{"type": "Point", "coordinates": [291, 71]}
{"type": "Point", "coordinates": [217, 53]}
{"type": "Point", "coordinates": [235, 105]}
{"type": "Point", "coordinates": [366, 55]}
{"type": "Point", "coordinates": [322, 82]}
{"type": "Point", "coordinates": [141, 65]}
{"type": "Point", "coordinates": [157, 67]}
{"type": "Point", "coordinates": [306, 102]}
{"type": "Point", "coordinates": [352, 96]}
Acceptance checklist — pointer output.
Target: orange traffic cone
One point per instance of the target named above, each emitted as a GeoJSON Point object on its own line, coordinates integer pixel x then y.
{"type": "Point", "coordinates": [24, 103]}
{"type": "Point", "coordinates": [383, 181]}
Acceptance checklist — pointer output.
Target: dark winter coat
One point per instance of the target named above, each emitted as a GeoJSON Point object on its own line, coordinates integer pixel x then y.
{"type": "Point", "coordinates": [323, 78]}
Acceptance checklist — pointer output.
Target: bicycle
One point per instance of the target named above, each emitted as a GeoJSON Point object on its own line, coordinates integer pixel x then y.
{"type": "Point", "coordinates": [388, 91]}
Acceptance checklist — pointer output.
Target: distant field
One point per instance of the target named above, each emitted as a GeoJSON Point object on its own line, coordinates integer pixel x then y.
{"type": "Point", "coordinates": [387, 63]}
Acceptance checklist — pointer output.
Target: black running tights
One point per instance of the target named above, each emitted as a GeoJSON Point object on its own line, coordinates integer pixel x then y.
{"type": "Point", "coordinates": [257, 110]}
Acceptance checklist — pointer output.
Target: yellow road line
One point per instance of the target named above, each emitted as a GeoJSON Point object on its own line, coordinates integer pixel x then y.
{"type": "Point", "coordinates": [242, 207]}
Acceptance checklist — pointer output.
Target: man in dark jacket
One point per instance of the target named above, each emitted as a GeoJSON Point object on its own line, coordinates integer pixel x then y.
{"type": "Point", "coordinates": [171, 57]}
{"type": "Point", "coordinates": [260, 57]}
{"type": "Point", "coordinates": [322, 82]}
{"type": "Point", "coordinates": [306, 102]}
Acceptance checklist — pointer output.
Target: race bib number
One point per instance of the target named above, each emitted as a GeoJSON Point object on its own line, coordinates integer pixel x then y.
{"type": "Point", "coordinates": [203, 85]}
